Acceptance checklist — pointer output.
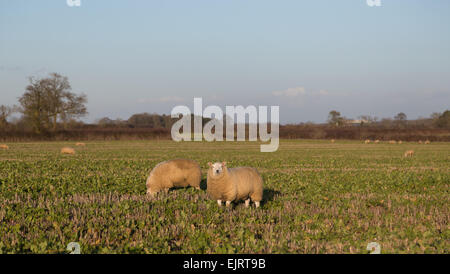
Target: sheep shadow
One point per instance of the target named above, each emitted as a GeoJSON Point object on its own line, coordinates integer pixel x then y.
{"type": "Point", "coordinates": [203, 184]}
{"type": "Point", "coordinates": [269, 195]}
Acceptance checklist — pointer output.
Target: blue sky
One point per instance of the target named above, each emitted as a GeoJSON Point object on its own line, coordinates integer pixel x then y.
{"type": "Point", "coordinates": [308, 57]}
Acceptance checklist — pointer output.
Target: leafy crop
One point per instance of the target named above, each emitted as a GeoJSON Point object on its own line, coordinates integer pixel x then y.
{"type": "Point", "coordinates": [319, 198]}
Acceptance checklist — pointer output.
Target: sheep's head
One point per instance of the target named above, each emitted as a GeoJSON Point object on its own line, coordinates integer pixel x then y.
{"type": "Point", "coordinates": [150, 192]}
{"type": "Point", "coordinates": [217, 170]}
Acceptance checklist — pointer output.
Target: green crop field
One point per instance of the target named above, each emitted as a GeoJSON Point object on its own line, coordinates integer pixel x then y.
{"type": "Point", "coordinates": [319, 197]}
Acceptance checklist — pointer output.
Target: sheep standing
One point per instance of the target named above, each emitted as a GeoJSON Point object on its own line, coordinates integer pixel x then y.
{"type": "Point", "coordinates": [173, 173]}
{"type": "Point", "coordinates": [367, 141]}
{"type": "Point", "coordinates": [234, 184]}
{"type": "Point", "coordinates": [3, 146]}
{"type": "Point", "coordinates": [332, 141]}
{"type": "Point", "coordinates": [377, 141]}
{"type": "Point", "coordinates": [409, 153]}
{"type": "Point", "coordinates": [392, 142]}
{"type": "Point", "coordinates": [67, 150]}
{"type": "Point", "coordinates": [427, 142]}
{"type": "Point", "coordinates": [80, 144]}
{"type": "Point", "coordinates": [400, 142]}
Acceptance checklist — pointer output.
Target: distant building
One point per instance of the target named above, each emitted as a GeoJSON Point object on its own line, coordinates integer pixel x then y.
{"type": "Point", "coordinates": [357, 122]}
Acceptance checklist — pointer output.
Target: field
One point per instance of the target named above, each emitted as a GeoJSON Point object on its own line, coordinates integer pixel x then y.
{"type": "Point", "coordinates": [319, 198]}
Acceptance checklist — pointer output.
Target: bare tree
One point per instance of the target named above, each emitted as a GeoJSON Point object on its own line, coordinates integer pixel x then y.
{"type": "Point", "coordinates": [50, 99]}
{"type": "Point", "coordinates": [444, 120]}
{"type": "Point", "coordinates": [32, 102]}
{"type": "Point", "coordinates": [5, 112]}
{"type": "Point", "coordinates": [400, 119]}
{"type": "Point", "coordinates": [435, 115]}
{"type": "Point", "coordinates": [335, 118]}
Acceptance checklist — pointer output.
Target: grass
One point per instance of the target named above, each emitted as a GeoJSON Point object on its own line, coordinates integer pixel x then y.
{"type": "Point", "coordinates": [319, 198]}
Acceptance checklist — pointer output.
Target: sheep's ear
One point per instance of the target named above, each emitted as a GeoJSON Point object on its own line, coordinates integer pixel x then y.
{"type": "Point", "coordinates": [210, 164]}
{"type": "Point", "coordinates": [224, 163]}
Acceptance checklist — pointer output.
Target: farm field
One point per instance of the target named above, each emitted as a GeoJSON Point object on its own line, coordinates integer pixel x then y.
{"type": "Point", "coordinates": [319, 198]}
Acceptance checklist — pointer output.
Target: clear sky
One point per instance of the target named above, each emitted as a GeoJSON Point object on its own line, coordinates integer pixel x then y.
{"type": "Point", "coordinates": [308, 57]}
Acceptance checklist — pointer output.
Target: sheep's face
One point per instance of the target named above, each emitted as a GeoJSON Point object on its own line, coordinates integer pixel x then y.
{"type": "Point", "coordinates": [217, 169]}
{"type": "Point", "coordinates": [150, 192]}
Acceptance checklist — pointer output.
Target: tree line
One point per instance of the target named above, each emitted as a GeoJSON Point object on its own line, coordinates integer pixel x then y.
{"type": "Point", "coordinates": [49, 105]}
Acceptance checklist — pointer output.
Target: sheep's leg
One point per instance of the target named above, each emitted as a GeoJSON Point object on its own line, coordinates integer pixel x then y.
{"type": "Point", "coordinates": [247, 202]}
{"type": "Point", "coordinates": [166, 190]}
{"type": "Point", "coordinates": [257, 204]}
{"type": "Point", "coordinates": [228, 203]}
{"type": "Point", "coordinates": [219, 202]}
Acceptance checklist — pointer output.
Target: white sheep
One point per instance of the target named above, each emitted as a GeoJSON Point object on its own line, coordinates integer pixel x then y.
{"type": "Point", "coordinates": [67, 150]}
{"type": "Point", "coordinates": [173, 173]}
{"type": "Point", "coordinates": [234, 184]}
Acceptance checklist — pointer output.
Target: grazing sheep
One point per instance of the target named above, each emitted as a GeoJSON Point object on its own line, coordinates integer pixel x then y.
{"type": "Point", "coordinates": [377, 141]}
{"type": "Point", "coordinates": [173, 173]}
{"type": "Point", "coordinates": [427, 142]}
{"type": "Point", "coordinates": [399, 142]}
{"type": "Point", "coordinates": [67, 150]}
{"type": "Point", "coordinates": [420, 141]}
{"type": "Point", "coordinates": [332, 141]}
{"type": "Point", "coordinates": [392, 142]}
{"type": "Point", "coordinates": [80, 144]}
{"type": "Point", "coordinates": [3, 146]}
{"type": "Point", "coordinates": [367, 141]}
{"type": "Point", "coordinates": [234, 184]}
{"type": "Point", "coordinates": [409, 153]}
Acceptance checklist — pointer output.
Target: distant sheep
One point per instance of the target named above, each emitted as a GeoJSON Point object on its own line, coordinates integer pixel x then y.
{"type": "Point", "coordinates": [420, 142]}
{"type": "Point", "coordinates": [427, 142]}
{"type": "Point", "coordinates": [80, 144]}
{"type": "Point", "coordinates": [392, 142]}
{"type": "Point", "coordinates": [409, 153]}
{"type": "Point", "coordinates": [3, 146]}
{"type": "Point", "coordinates": [367, 141]}
{"type": "Point", "coordinates": [173, 173]}
{"type": "Point", "coordinates": [377, 141]}
{"type": "Point", "coordinates": [67, 150]}
{"type": "Point", "coordinates": [400, 142]}
{"type": "Point", "coordinates": [332, 141]}
{"type": "Point", "coordinates": [234, 184]}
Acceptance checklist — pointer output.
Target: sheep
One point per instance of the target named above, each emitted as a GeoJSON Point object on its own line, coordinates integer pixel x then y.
{"type": "Point", "coordinates": [3, 146]}
{"type": "Point", "coordinates": [367, 141]}
{"type": "Point", "coordinates": [234, 184]}
{"type": "Point", "coordinates": [67, 150]}
{"type": "Point", "coordinates": [173, 173]}
{"type": "Point", "coordinates": [400, 142]}
{"type": "Point", "coordinates": [377, 141]}
{"type": "Point", "coordinates": [427, 142]}
{"type": "Point", "coordinates": [409, 153]}
{"type": "Point", "coordinates": [80, 144]}
{"type": "Point", "coordinates": [332, 141]}
{"type": "Point", "coordinates": [392, 142]}
{"type": "Point", "coordinates": [420, 142]}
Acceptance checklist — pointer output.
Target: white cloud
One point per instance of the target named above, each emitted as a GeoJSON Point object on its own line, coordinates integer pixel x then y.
{"type": "Point", "coordinates": [164, 99]}
{"type": "Point", "coordinates": [290, 92]}
{"type": "Point", "coordinates": [299, 91]}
